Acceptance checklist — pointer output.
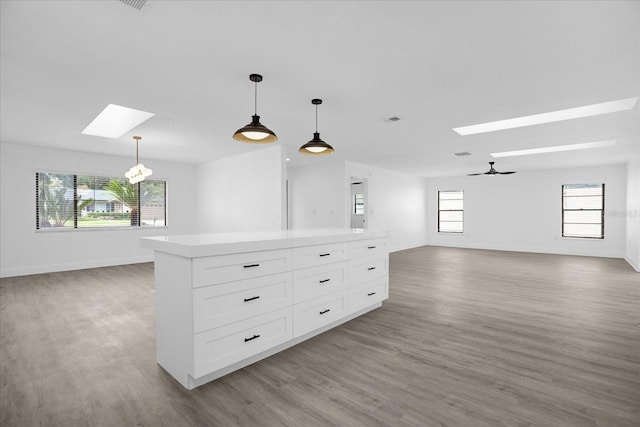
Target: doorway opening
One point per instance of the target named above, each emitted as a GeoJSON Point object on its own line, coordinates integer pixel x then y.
{"type": "Point", "coordinates": [358, 203]}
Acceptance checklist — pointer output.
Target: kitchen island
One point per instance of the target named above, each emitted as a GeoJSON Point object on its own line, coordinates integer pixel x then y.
{"type": "Point", "coordinates": [224, 301]}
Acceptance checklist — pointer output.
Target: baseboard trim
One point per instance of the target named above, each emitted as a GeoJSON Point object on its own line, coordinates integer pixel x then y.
{"type": "Point", "coordinates": [53, 268]}
{"type": "Point", "coordinates": [407, 246]}
{"type": "Point", "coordinates": [633, 263]}
{"type": "Point", "coordinates": [530, 250]}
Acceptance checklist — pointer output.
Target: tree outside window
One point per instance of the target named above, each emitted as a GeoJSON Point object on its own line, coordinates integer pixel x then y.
{"type": "Point", "coordinates": [66, 201]}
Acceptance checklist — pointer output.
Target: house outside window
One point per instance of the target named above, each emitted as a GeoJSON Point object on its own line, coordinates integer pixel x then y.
{"type": "Point", "coordinates": [69, 201]}
{"type": "Point", "coordinates": [451, 211]}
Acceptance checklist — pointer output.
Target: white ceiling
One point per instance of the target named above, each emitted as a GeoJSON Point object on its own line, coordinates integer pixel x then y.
{"type": "Point", "coordinates": [436, 65]}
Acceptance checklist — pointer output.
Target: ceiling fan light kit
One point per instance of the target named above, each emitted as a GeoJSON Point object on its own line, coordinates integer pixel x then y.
{"type": "Point", "coordinates": [492, 171]}
{"type": "Point", "coordinates": [255, 132]}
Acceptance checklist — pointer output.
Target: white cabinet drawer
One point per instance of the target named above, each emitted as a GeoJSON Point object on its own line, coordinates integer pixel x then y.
{"type": "Point", "coordinates": [317, 281]}
{"type": "Point", "coordinates": [228, 268]}
{"type": "Point", "coordinates": [224, 346]}
{"type": "Point", "coordinates": [369, 293]}
{"type": "Point", "coordinates": [219, 305]}
{"type": "Point", "coordinates": [365, 269]}
{"type": "Point", "coordinates": [313, 314]}
{"type": "Point", "coordinates": [311, 256]}
{"type": "Point", "coordinates": [369, 247]}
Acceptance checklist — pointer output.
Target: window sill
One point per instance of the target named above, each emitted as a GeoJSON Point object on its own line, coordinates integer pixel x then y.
{"type": "Point", "coordinates": [83, 229]}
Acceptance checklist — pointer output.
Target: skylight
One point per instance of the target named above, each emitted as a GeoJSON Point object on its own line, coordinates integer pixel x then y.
{"type": "Point", "coordinates": [554, 116]}
{"type": "Point", "coordinates": [114, 121]}
{"type": "Point", "coordinates": [555, 149]}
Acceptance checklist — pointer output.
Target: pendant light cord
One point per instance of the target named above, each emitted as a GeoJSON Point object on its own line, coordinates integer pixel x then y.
{"type": "Point", "coordinates": [316, 118]}
{"type": "Point", "coordinates": [255, 100]}
{"type": "Point", "coordinates": [137, 138]}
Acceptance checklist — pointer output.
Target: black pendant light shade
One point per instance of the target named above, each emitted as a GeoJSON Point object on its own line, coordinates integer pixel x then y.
{"type": "Point", "coordinates": [255, 132]}
{"type": "Point", "coordinates": [316, 146]}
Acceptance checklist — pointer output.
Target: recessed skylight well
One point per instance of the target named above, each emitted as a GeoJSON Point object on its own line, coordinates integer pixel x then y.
{"type": "Point", "coordinates": [115, 120]}
{"type": "Point", "coordinates": [555, 149]}
{"type": "Point", "coordinates": [554, 116]}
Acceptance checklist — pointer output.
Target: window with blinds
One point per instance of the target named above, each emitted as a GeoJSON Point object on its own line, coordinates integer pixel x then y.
{"type": "Point", "coordinates": [450, 211]}
{"type": "Point", "coordinates": [583, 210]}
{"type": "Point", "coordinates": [69, 201]}
{"type": "Point", "coordinates": [358, 204]}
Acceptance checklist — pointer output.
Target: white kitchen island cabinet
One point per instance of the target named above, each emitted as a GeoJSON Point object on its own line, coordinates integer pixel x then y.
{"type": "Point", "coordinates": [224, 301]}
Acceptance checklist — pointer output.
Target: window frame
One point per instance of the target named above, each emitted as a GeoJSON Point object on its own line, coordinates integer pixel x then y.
{"type": "Point", "coordinates": [451, 210]}
{"type": "Point", "coordinates": [77, 213]}
{"type": "Point", "coordinates": [601, 209]}
{"type": "Point", "coordinates": [358, 197]}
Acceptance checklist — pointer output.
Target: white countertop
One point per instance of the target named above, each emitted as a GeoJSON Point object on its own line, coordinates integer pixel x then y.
{"type": "Point", "coordinates": [199, 245]}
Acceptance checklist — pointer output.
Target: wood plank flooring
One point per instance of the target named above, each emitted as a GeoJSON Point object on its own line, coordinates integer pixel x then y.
{"type": "Point", "coordinates": [467, 338]}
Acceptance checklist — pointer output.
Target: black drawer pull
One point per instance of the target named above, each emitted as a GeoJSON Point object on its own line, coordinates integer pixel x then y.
{"type": "Point", "coordinates": [371, 268]}
{"type": "Point", "coordinates": [325, 254]}
{"type": "Point", "coordinates": [324, 281]}
{"type": "Point", "coordinates": [252, 265]}
{"type": "Point", "coordinates": [371, 293]}
{"type": "Point", "coordinates": [325, 311]}
{"type": "Point", "coordinates": [371, 247]}
{"type": "Point", "coordinates": [252, 338]}
{"type": "Point", "coordinates": [251, 299]}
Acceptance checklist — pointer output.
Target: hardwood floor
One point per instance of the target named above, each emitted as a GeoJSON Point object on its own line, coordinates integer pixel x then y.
{"type": "Point", "coordinates": [467, 338]}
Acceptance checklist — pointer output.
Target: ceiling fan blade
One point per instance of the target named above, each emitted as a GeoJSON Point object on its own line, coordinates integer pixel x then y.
{"type": "Point", "coordinates": [491, 172]}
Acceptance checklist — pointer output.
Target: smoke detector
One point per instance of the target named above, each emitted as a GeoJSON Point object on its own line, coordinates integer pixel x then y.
{"type": "Point", "coordinates": [461, 154]}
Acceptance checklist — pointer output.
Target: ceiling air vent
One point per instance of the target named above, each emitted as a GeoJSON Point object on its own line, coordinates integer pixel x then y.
{"type": "Point", "coordinates": [392, 119]}
{"type": "Point", "coordinates": [136, 4]}
{"type": "Point", "coordinates": [462, 154]}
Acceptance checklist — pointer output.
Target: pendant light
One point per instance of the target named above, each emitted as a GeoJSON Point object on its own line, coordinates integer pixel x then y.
{"type": "Point", "coordinates": [316, 146]}
{"type": "Point", "coordinates": [255, 132]}
{"type": "Point", "coordinates": [138, 172]}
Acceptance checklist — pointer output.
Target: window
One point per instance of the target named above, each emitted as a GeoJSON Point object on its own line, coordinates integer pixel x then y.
{"type": "Point", "coordinates": [67, 201]}
{"type": "Point", "coordinates": [450, 212]}
{"type": "Point", "coordinates": [583, 210]}
{"type": "Point", "coordinates": [358, 204]}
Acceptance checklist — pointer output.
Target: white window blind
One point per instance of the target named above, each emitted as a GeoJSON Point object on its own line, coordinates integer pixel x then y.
{"type": "Point", "coordinates": [450, 211]}
{"type": "Point", "coordinates": [583, 210]}
{"type": "Point", "coordinates": [358, 204]}
{"type": "Point", "coordinates": [69, 201]}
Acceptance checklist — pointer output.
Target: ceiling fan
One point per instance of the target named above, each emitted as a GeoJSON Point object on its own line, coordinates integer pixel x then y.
{"type": "Point", "coordinates": [492, 171]}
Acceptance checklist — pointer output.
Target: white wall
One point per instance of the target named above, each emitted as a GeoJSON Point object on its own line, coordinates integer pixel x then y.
{"type": "Point", "coordinates": [246, 193]}
{"type": "Point", "coordinates": [397, 202]}
{"type": "Point", "coordinates": [633, 212]}
{"type": "Point", "coordinates": [316, 195]}
{"type": "Point", "coordinates": [242, 193]}
{"type": "Point", "coordinates": [25, 251]}
{"type": "Point", "coordinates": [522, 212]}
